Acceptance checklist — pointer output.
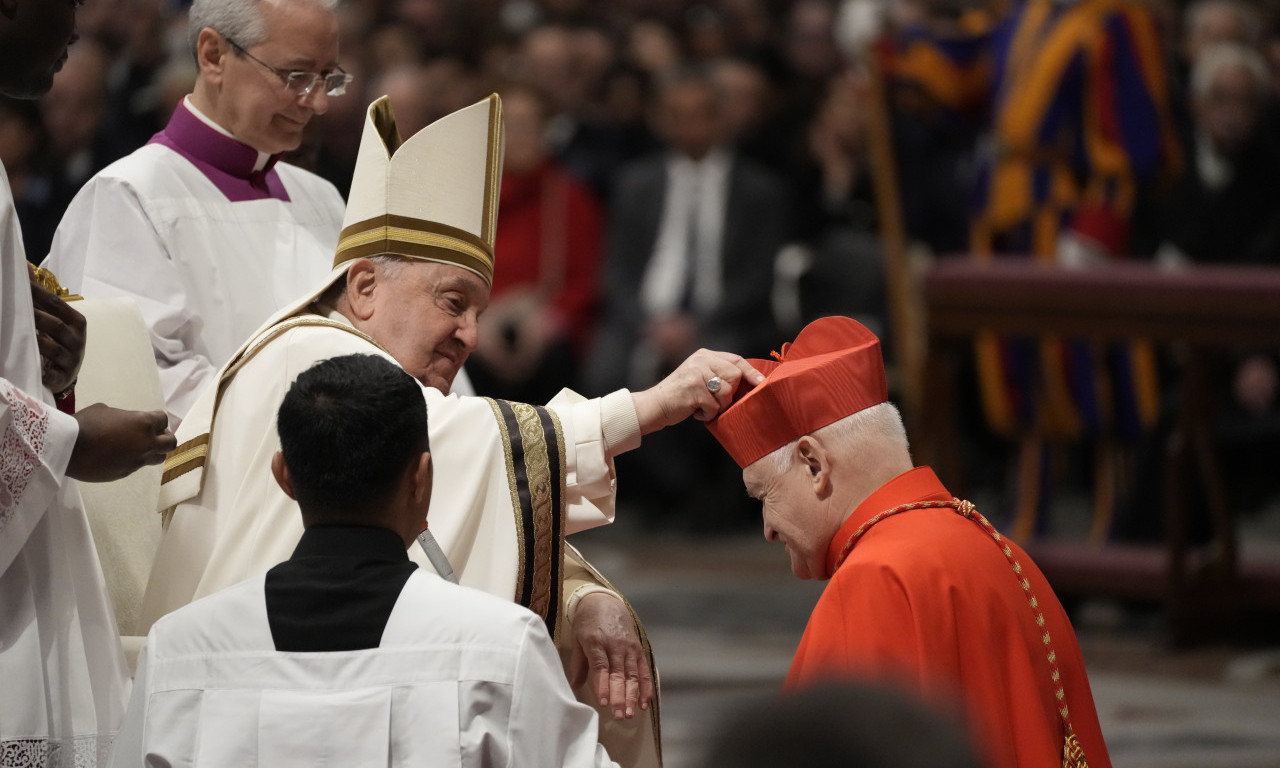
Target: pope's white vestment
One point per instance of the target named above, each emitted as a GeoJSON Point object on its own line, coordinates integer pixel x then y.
{"type": "Point", "coordinates": [230, 520]}
{"type": "Point", "coordinates": [63, 680]}
{"type": "Point", "coordinates": [208, 240]}
{"type": "Point", "coordinates": [460, 678]}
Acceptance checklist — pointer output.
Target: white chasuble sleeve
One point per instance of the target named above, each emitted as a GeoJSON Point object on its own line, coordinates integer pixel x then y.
{"type": "Point", "coordinates": [36, 441]}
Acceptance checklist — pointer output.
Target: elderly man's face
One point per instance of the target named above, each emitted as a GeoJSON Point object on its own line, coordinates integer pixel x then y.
{"type": "Point", "coordinates": [1229, 111]}
{"type": "Point", "coordinates": [425, 314]}
{"type": "Point", "coordinates": [34, 45]}
{"type": "Point", "coordinates": [254, 104]}
{"type": "Point", "coordinates": [793, 515]}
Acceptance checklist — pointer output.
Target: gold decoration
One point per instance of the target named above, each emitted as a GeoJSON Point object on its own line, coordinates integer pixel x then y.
{"type": "Point", "coordinates": [46, 280]}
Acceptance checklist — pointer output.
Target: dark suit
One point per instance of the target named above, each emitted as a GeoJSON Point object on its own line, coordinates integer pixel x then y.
{"type": "Point", "coordinates": [681, 469]}
{"type": "Point", "coordinates": [754, 229]}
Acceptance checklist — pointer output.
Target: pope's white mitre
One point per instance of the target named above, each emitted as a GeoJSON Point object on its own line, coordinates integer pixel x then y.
{"type": "Point", "coordinates": [433, 196]}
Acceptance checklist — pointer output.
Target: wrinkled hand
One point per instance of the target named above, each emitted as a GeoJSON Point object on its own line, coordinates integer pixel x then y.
{"type": "Point", "coordinates": [607, 648]}
{"type": "Point", "coordinates": [684, 392]}
{"type": "Point", "coordinates": [60, 333]}
{"type": "Point", "coordinates": [114, 443]}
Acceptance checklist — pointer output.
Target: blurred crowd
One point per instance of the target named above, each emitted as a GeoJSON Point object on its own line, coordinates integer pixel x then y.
{"type": "Point", "coordinates": [684, 174]}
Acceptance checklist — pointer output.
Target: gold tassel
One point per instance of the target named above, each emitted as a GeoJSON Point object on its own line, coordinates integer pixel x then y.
{"type": "Point", "coordinates": [1072, 753]}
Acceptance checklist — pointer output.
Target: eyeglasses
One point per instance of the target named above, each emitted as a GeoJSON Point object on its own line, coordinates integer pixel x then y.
{"type": "Point", "coordinates": [301, 84]}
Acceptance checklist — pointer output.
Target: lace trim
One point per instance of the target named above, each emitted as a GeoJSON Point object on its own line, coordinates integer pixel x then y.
{"type": "Point", "coordinates": [25, 426]}
{"type": "Point", "coordinates": [78, 752]}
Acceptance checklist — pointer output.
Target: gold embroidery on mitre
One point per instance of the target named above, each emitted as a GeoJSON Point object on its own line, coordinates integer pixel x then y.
{"type": "Point", "coordinates": [493, 175]}
{"type": "Point", "coordinates": [415, 238]}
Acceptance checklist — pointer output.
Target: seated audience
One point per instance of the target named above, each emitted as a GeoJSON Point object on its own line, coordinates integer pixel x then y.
{"type": "Point", "coordinates": [542, 307]}
{"type": "Point", "coordinates": [693, 235]}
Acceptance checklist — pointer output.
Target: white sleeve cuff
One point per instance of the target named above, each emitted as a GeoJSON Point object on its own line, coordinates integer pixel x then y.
{"type": "Point", "coordinates": [571, 605]}
{"type": "Point", "coordinates": [60, 440]}
{"type": "Point", "coordinates": [619, 423]}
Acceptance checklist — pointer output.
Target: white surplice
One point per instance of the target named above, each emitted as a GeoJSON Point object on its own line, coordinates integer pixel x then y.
{"type": "Point", "coordinates": [63, 680]}
{"type": "Point", "coordinates": [460, 679]}
{"type": "Point", "coordinates": [205, 268]}
{"type": "Point", "coordinates": [235, 522]}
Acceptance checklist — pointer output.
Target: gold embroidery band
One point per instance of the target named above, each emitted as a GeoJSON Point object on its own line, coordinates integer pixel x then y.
{"type": "Point", "coordinates": [186, 457]}
{"type": "Point", "coordinates": [408, 236]}
{"type": "Point", "coordinates": [534, 447]}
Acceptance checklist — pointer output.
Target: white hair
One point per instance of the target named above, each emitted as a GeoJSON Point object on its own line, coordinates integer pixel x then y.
{"type": "Point", "coordinates": [390, 264]}
{"type": "Point", "coordinates": [239, 20]}
{"type": "Point", "coordinates": [1226, 55]}
{"type": "Point", "coordinates": [850, 435]}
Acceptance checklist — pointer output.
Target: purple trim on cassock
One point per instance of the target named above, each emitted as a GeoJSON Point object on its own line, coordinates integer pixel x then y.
{"type": "Point", "coordinates": [223, 160]}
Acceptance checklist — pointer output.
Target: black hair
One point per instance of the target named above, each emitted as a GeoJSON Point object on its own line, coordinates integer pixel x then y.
{"type": "Point", "coordinates": [349, 427]}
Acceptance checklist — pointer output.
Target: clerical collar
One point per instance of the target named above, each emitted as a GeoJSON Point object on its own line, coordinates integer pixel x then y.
{"type": "Point", "coordinates": [239, 171]}
{"type": "Point", "coordinates": [263, 157]}
{"type": "Point", "coordinates": [353, 541]}
{"type": "Point", "coordinates": [919, 484]}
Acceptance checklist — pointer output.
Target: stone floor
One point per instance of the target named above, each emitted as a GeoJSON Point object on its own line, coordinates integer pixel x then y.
{"type": "Point", "coordinates": [725, 614]}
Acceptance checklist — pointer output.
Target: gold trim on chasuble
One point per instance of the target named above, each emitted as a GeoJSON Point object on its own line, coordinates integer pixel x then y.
{"type": "Point", "coordinates": [533, 446]}
{"type": "Point", "coordinates": [186, 457]}
{"type": "Point", "coordinates": [193, 454]}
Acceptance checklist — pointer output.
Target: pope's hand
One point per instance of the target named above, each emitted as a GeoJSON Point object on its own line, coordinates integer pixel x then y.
{"type": "Point", "coordinates": [114, 443]}
{"type": "Point", "coordinates": [607, 648]}
{"type": "Point", "coordinates": [686, 392]}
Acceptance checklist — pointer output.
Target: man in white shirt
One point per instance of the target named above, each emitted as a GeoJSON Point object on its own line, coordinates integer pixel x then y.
{"type": "Point", "coordinates": [348, 653]}
{"type": "Point", "coordinates": [202, 226]}
{"type": "Point", "coordinates": [62, 671]}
